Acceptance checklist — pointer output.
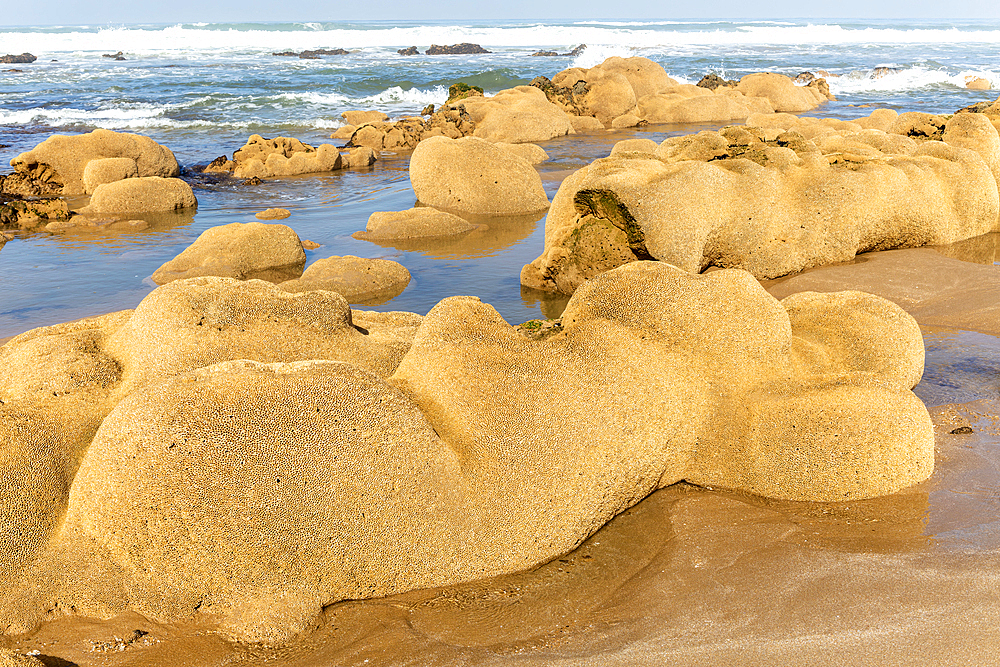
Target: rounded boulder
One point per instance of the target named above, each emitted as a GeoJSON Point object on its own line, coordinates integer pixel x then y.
{"type": "Point", "coordinates": [242, 251]}
{"type": "Point", "coordinates": [470, 175]}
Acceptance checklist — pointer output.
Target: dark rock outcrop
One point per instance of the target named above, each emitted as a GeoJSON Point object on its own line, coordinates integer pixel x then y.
{"type": "Point", "coordinates": [461, 90]}
{"type": "Point", "coordinates": [411, 51]}
{"type": "Point", "coordinates": [313, 54]}
{"type": "Point", "coordinates": [464, 48]}
{"type": "Point", "coordinates": [115, 56]}
{"type": "Point", "coordinates": [27, 214]}
{"type": "Point", "coordinates": [570, 99]}
{"type": "Point", "coordinates": [22, 59]}
{"type": "Point", "coordinates": [713, 81]}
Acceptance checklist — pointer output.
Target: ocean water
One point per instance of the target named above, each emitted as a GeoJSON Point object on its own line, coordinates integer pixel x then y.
{"type": "Point", "coordinates": [202, 89]}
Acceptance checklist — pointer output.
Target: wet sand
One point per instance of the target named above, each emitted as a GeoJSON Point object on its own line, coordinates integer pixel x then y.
{"type": "Point", "coordinates": [699, 576]}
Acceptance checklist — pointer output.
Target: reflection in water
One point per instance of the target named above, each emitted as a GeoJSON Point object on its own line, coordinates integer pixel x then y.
{"type": "Point", "coordinates": [979, 249]}
{"type": "Point", "coordinates": [496, 234]}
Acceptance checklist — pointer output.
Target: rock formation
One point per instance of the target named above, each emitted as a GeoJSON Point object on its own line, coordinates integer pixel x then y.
{"type": "Point", "coordinates": [273, 214]}
{"type": "Point", "coordinates": [233, 454]}
{"type": "Point", "coordinates": [774, 200]}
{"type": "Point", "coordinates": [28, 214]}
{"type": "Point", "coordinates": [281, 156]}
{"type": "Point", "coordinates": [421, 222]}
{"type": "Point", "coordinates": [470, 175]}
{"type": "Point", "coordinates": [61, 160]}
{"type": "Point", "coordinates": [409, 51]}
{"type": "Point", "coordinates": [314, 54]}
{"type": "Point", "coordinates": [23, 59]}
{"type": "Point", "coordinates": [620, 92]}
{"type": "Point", "coordinates": [269, 252]}
{"type": "Point", "coordinates": [639, 87]}
{"type": "Point", "coordinates": [107, 170]}
{"type": "Point", "coordinates": [149, 194]}
{"type": "Point", "coordinates": [465, 48]}
{"type": "Point", "coordinates": [363, 117]}
{"type": "Point", "coordinates": [359, 280]}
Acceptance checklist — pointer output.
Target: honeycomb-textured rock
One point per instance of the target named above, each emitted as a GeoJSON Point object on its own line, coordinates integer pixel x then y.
{"type": "Point", "coordinates": [265, 454]}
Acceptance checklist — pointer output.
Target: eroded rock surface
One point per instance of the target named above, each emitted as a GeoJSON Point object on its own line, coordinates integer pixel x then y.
{"type": "Point", "coordinates": [777, 199]}
{"type": "Point", "coordinates": [335, 455]}
{"type": "Point", "coordinates": [61, 160]}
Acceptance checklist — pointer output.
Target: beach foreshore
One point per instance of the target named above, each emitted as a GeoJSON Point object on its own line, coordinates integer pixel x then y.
{"type": "Point", "coordinates": [722, 456]}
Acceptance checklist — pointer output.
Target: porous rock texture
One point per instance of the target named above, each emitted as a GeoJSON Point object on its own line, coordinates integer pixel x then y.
{"type": "Point", "coordinates": [470, 175]}
{"type": "Point", "coordinates": [357, 279]}
{"type": "Point", "coordinates": [31, 213]}
{"type": "Point", "coordinates": [61, 159]}
{"type": "Point", "coordinates": [271, 252]}
{"type": "Point", "coordinates": [420, 222]}
{"type": "Point", "coordinates": [774, 200]}
{"type": "Point", "coordinates": [247, 456]}
{"type": "Point", "coordinates": [281, 156]}
{"type": "Point", "coordinates": [620, 89]}
{"type": "Point", "coordinates": [107, 170]}
{"type": "Point", "coordinates": [147, 194]}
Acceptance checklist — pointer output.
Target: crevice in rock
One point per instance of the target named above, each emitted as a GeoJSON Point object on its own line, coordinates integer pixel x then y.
{"type": "Point", "coordinates": [605, 204]}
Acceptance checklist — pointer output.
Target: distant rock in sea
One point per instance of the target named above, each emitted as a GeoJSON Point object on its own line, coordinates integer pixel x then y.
{"type": "Point", "coordinates": [411, 51]}
{"type": "Point", "coordinates": [22, 59]}
{"type": "Point", "coordinates": [455, 49]}
{"type": "Point", "coordinates": [312, 55]}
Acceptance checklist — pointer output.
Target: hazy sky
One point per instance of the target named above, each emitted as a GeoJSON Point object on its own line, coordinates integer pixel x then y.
{"type": "Point", "coordinates": [131, 11]}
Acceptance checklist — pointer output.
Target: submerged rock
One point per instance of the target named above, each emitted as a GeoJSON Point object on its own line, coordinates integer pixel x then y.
{"type": "Point", "coordinates": [28, 214]}
{"type": "Point", "coordinates": [273, 214]}
{"type": "Point", "coordinates": [242, 251]}
{"type": "Point", "coordinates": [374, 453]}
{"type": "Point", "coordinates": [421, 222]}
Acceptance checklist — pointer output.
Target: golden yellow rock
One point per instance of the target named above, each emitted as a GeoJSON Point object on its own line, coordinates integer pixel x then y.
{"type": "Point", "coordinates": [241, 251]}
{"type": "Point", "coordinates": [774, 201]}
{"type": "Point", "coordinates": [62, 159]}
{"type": "Point", "coordinates": [147, 194]}
{"type": "Point", "coordinates": [107, 170]}
{"type": "Point", "coordinates": [420, 222]}
{"type": "Point", "coordinates": [470, 175]}
{"type": "Point", "coordinates": [357, 279]}
{"type": "Point", "coordinates": [245, 476]}
{"type": "Point", "coordinates": [273, 214]}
